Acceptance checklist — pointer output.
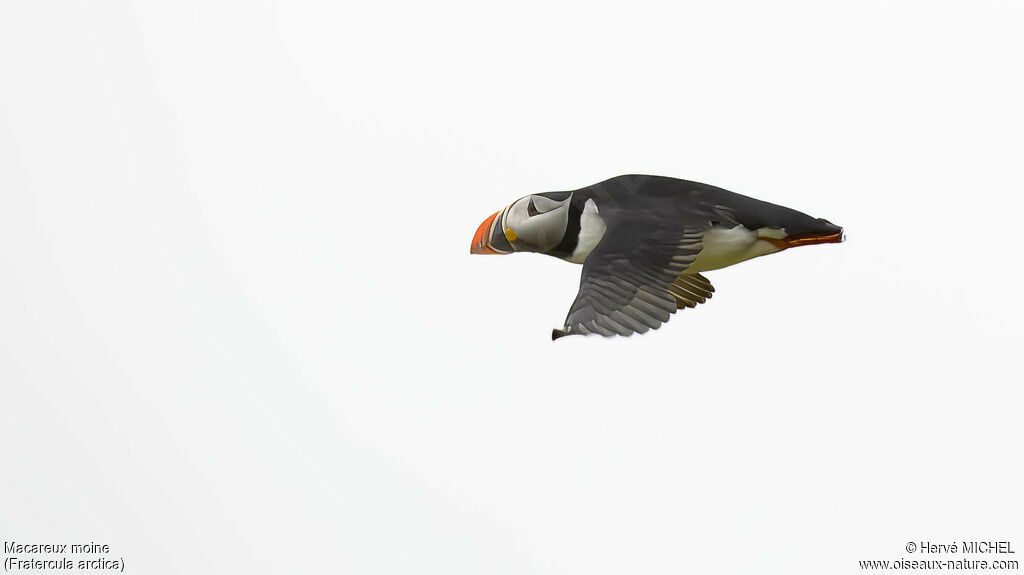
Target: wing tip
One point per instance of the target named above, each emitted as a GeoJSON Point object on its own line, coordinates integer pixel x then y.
{"type": "Point", "coordinates": [557, 333]}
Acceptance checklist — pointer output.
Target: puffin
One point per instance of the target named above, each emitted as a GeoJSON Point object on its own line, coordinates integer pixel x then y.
{"type": "Point", "coordinates": [644, 243]}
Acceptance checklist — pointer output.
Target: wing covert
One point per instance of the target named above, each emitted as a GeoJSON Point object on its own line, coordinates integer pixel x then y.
{"type": "Point", "coordinates": [635, 279]}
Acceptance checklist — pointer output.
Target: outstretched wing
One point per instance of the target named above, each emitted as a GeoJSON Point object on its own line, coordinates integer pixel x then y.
{"type": "Point", "coordinates": [635, 279]}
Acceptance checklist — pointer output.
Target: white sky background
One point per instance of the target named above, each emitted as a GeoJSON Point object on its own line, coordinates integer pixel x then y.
{"type": "Point", "coordinates": [241, 331]}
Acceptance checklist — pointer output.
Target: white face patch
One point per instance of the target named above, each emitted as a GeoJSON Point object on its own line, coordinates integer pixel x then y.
{"type": "Point", "coordinates": [537, 221]}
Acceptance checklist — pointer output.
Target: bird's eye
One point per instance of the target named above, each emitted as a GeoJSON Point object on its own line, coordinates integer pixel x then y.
{"type": "Point", "coordinates": [531, 209]}
{"type": "Point", "coordinates": [540, 205]}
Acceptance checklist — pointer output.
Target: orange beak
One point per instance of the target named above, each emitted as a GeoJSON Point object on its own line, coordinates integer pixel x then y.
{"type": "Point", "coordinates": [482, 237]}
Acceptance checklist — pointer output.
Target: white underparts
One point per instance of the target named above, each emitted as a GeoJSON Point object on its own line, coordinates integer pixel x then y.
{"type": "Point", "coordinates": [592, 229]}
{"type": "Point", "coordinates": [723, 247]}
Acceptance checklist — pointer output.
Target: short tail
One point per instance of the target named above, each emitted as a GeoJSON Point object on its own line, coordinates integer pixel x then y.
{"type": "Point", "coordinates": [828, 233]}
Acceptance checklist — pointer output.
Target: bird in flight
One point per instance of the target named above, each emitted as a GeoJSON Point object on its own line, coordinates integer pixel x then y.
{"type": "Point", "coordinates": [643, 242]}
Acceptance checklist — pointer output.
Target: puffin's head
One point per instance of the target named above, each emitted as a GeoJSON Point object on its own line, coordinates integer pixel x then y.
{"type": "Point", "coordinates": [535, 223]}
